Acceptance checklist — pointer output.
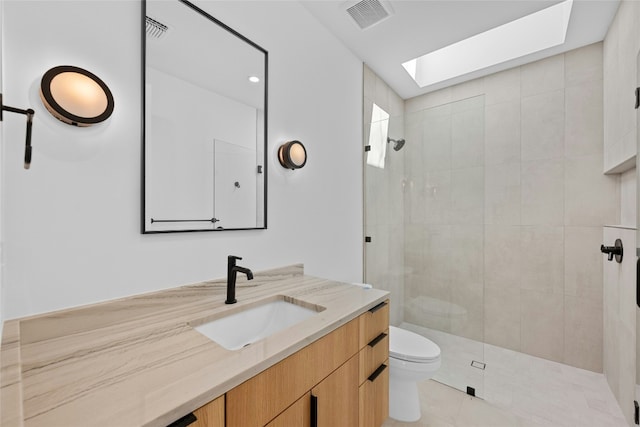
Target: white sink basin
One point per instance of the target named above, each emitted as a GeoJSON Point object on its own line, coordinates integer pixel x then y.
{"type": "Point", "coordinates": [252, 324]}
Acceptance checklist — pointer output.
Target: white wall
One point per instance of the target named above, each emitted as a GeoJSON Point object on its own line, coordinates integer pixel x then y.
{"type": "Point", "coordinates": [72, 222]}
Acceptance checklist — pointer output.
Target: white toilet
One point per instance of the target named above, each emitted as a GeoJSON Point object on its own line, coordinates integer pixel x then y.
{"type": "Point", "coordinates": [412, 358]}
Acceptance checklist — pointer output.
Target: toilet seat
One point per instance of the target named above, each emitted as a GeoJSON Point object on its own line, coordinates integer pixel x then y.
{"type": "Point", "coordinates": [411, 347]}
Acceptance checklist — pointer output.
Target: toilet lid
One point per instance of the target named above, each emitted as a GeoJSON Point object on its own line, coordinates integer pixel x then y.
{"type": "Point", "coordinates": [409, 346]}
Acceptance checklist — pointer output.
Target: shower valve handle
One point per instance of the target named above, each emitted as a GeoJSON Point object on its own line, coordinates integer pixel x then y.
{"type": "Point", "coordinates": [612, 251]}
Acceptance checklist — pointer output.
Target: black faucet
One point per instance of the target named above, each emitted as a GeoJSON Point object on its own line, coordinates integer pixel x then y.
{"type": "Point", "coordinates": [232, 271]}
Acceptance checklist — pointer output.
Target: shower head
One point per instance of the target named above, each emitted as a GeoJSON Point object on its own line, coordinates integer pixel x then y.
{"type": "Point", "coordinates": [155, 28]}
{"type": "Point", "coordinates": [397, 144]}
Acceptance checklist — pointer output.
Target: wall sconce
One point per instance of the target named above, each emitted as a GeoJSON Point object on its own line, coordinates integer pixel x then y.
{"type": "Point", "coordinates": [29, 113]}
{"type": "Point", "coordinates": [76, 96]}
{"type": "Point", "coordinates": [292, 155]}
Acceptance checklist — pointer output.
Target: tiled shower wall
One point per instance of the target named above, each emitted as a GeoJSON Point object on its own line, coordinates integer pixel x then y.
{"type": "Point", "coordinates": [384, 255]}
{"type": "Point", "coordinates": [539, 184]}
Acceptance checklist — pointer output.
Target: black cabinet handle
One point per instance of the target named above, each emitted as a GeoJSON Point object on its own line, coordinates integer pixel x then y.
{"type": "Point", "coordinates": [314, 411]}
{"type": "Point", "coordinates": [377, 307]}
{"type": "Point", "coordinates": [638, 282]}
{"type": "Point", "coordinates": [184, 421]}
{"type": "Point", "coordinates": [377, 339]}
{"type": "Point", "coordinates": [377, 372]}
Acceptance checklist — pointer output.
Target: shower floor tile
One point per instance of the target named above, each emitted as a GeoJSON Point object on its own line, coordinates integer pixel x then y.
{"type": "Point", "coordinates": [516, 389]}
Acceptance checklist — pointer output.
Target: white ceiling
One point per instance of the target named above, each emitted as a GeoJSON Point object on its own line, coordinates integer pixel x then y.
{"type": "Point", "coordinates": [422, 26]}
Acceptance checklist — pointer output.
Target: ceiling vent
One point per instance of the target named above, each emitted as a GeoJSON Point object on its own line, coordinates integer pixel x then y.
{"type": "Point", "coordinates": [367, 13]}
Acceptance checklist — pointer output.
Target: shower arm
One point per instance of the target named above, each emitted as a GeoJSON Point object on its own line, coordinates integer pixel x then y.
{"type": "Point", "coordinates": [29, 113]}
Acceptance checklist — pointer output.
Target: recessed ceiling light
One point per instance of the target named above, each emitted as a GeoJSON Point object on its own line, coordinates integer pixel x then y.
{"type": "Point", "coordinates": [532, 33]}
{"type": "Point", "coordinates": [254, 79]}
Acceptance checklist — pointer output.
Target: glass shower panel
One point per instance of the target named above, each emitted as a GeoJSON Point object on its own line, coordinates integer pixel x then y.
{"type": "Point", "coordinates": [384, 221]}
{"type": "Point", "coordinates": [444, 236]}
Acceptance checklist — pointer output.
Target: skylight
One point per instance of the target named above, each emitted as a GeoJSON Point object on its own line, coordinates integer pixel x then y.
{"type": "Point", "coordinates": [532, 33]}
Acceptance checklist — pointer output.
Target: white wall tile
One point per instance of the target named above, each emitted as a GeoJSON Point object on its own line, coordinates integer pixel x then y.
{"type": "Point", "coordinates": [542, 260]}
{"type": "Point", "coordinates": [381, 94]}
{"type": "Point", "coordinates": [502, 133]}
{"type": "Point", "coordinates": [436, 140]}
{"type": "Point", "coordinates": [542, 192]}
{"type": "Point", "coordinates": [503, 87]}
{"type": "Point", "coordinates": [437, 197]}
{"type": "Point", "coordinates": [502, 310]}
{"type": "Point", "coordinates": [467, 138]}
{"type": "Point", "coordinates": [542, 320]}
{"type": "Point", "coordinates": [502, 257]}
{"type": "Point", "coordinates": [583, 65]}
{"type": "Point", "coordinates": [429, 100]}
{"type": "Point", "coordinates": [583, 262]}
{"type": "Point", "coordinates": [584, 133]}
{"type": "Point", "coordinates": [468, 89]}
{"type": "Point", "coordinates": [502, 194]}
{"type": "Point", "coordinates": [583, 332]}
{"type": "Point", "coordinates": [591, 198]}
{"type": "Point", "coordinates": [467, 196]}
{"type": "Point", "coordinates": [542, 76]}
{"type": "Point", "coordinates": [542, 118]}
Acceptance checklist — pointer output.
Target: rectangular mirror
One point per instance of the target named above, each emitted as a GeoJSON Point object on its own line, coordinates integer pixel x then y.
{"type": "Point", "coordinates": [205, 123]}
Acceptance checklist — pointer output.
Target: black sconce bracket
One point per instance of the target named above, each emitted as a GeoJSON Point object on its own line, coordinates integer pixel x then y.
{"type": "Point", "coordinates": [29, 113]}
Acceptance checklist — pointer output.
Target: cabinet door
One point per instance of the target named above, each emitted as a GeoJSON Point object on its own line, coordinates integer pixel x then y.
{"type": "Point", "coordinates": [336, 397]}
{"type": "Point", "coordinates": [211, 414]}
{"type": "Point", "coordinates": [298, 414]}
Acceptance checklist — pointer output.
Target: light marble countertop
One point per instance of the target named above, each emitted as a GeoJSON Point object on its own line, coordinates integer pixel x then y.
{"type": "Point", "coordinates": [137, 361]}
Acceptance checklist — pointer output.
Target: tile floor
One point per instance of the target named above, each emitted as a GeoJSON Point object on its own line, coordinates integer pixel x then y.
{"type": "Point", "coordinates": [517, 390]}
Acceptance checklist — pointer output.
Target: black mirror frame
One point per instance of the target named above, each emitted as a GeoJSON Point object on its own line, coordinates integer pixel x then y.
{"type": "Point", "coordinates": [143, 128]}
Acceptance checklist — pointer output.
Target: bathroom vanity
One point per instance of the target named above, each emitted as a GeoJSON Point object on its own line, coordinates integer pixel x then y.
{"type": "Point", "coordinates": [139, 361]}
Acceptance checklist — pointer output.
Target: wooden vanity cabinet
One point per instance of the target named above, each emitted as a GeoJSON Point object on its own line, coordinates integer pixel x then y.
{"type": "Point", "coordinates": [340, 380]}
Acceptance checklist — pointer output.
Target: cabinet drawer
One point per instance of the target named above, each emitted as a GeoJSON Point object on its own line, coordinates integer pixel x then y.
{"type": "Point", "coordinates": [373, 355]}
{"type": "Point", "coordinates": [374, 398]}
{"type": "Point", "coordinates": [285, 382]}
{"type": "Point", "coordinates": [373, 322]}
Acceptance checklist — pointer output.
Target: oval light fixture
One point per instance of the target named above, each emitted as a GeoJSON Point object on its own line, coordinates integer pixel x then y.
{"type": "Point", "coordinates": [292, 155]}
{"type": "Point", "coordinates": [76, 96]}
